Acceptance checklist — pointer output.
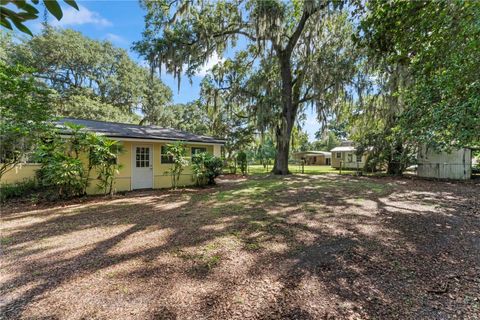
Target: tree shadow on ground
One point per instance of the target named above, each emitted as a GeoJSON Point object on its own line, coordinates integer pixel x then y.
{"type": "Point", "coordinates": [302, 247]}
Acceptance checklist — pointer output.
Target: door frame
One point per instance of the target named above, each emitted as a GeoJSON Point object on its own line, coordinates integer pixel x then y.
{"type": "Point", "coordinates": [133, 159]}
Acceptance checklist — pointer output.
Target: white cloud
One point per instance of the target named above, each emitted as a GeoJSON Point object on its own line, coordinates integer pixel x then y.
{"type": "Point", "coordinates": [213, 61]}
{"type": "Point", "coordinates": [73, 17]}
{"type": "Point", "coordinates": [115, 38]}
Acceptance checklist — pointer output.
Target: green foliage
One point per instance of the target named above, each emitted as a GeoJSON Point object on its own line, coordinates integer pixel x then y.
{"type": "Point", "coordinates": [206, 168]}
{"type": "Point", "coordinates": [265, 151]}
{"type": "Point", "coordinates": [63, 175]}
{"type": "Point", "coordinates": [24, 115]}
{"type": "Point", "coordinates": [178, 152]}
{"type": "Point", "coordinates": [26, 11]}
{"type": "Point", "coordinates": [62, 171]}
{"type": "Point", "coordinates": [87, 73]}
{"type": "Point", "coordinates": [17, 190]}
{"type": "Point", "coordinates": [91, 107]}
{"type": "Point", "coordinates": [191, 117]}
{"type": "Point", "coordinates": [435, 45]}
{"type": "Point", "coordinates": [336, 127]}
{"type": "Point", "coordinates": [328, 140]}
{"type": "Point", "coordinates": [66, 162]}
{"type": "Point", "coordinates": [102, 155]}
{"type": "Point", "coordinates": [299, 140]}
{"type": "Point", "coordinates": [242, 162]}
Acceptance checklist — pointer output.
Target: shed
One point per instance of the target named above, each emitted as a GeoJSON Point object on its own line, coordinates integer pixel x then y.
{"type": "Point", "coordinates": [456, 164]}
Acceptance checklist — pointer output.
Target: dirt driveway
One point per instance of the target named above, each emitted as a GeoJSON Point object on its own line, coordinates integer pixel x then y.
{"type": "Point", "coordinates": [297, 247]}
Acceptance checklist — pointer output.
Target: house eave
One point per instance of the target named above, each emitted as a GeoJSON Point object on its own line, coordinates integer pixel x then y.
{"type": "Point", "coordinates": [154, 139]}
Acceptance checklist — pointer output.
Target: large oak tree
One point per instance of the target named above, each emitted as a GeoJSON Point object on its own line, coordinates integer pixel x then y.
{"type": "Point", "coordinates": [297, 37]}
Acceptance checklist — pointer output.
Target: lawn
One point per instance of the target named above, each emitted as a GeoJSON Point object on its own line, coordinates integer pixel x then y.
{"type": "Point", "coordinates": [295, 168]}
{"type": "Point", "coordinates": [296, 247]}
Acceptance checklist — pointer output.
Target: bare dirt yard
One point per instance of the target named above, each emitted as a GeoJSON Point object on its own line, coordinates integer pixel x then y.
{"type": "Point", "coordinates": [296, 247]}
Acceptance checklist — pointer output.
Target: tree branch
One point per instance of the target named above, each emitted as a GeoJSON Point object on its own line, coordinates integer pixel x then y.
{"type": "Point", "coordinates": [301, 25]}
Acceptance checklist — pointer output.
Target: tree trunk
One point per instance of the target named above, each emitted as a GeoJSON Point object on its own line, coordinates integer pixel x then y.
{"type": "Point", "coordinates": [395, 163]}
{"type": "Point", "coordinates": [283, 147]}
{"type": "Point", "coordinates": [289, 113]}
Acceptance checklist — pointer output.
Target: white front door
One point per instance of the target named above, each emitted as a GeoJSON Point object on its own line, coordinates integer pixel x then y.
{"type": "Point", "coordinates": [142, 171]}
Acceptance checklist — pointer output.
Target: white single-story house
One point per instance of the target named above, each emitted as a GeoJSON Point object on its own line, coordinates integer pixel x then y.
{"type": "Point", "coordinates": [345, 157]}
{"type": "Point", "coordinates": [144, 162]}
{"type": "Point", "coordinates": [313, 157]}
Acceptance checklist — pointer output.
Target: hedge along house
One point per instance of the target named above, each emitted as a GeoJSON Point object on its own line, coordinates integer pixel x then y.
{"type": "Point", "coordinates": [345, 157]}
{"type": "Point", "coordinates": [313, 157]}
{"type": "Point", "coordinates": [144, 160]}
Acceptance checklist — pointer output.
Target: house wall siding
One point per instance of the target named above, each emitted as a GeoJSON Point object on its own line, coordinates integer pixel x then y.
{"type": "Point", "coordinates": [20, 173]}
{"type": "Point", "coordinates": [442, 165]}
{"type": "Point", "coordinates": [344, 160]}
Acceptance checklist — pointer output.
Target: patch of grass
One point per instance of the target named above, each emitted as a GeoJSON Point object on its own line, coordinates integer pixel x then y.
{"type": "Point", "coordinates": [314, 169]}
{"type": "Point", "coordinates": [184, 255]}
{"type": "Point", "coordinates": [211, 246]}
{"type": "Point", "coordinates": [354, 186]}
{"type": "Point", "coordinates": [232, 208]}
{"type": "Point", "coordinates": [252, 246]}
{"type": "Point", "coordinates": [309, 209]}
{"type": "Point", "coordinates": [253, 189]}
{"type": "Point", "coordinates": [124, 289]}
{"type": "Point", "coordinates": [212, 261]}
{"type": "Point", "coordinates": [199, 197]}
{"type": "Point", "coordinates": [5, 241]}
{"type": "Point", "coordinates": [112, 274]}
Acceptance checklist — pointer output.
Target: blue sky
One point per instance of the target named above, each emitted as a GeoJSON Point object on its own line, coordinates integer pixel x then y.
{"type": "Point", "coordinates": [122, 23]}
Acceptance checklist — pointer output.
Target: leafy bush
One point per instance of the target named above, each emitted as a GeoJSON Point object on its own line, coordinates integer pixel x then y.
{"type": "Point", "coordinates": [242, 162]}
{"type": "Point", "coordinates": [64, 173]}
{"type": "Point", "coordinates": [102, 155]}
{"type": "Point", "coordinates": [476, 168]}
{"type": "Point", "coordinates": [20, 189]}
{"type": "Point", "coordinates": [178, 153]}
{"type": "Point", "coordinates": [206, 168]}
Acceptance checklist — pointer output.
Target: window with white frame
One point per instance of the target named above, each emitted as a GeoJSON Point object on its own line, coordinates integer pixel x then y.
{"type": "Point", "coordinates": [142, 157]}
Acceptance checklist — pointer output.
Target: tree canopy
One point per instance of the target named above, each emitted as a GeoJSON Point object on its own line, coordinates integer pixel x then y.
{"type": "Point", "coordinates": [91, 75]}
{"type": "Point", "coordinates": [421, 59]}
{"type": "Point", "coordinates": [23, 116]}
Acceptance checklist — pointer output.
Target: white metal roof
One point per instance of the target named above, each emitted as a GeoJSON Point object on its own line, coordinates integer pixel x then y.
{"type": "Point", "coordinates": [343, 149]}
